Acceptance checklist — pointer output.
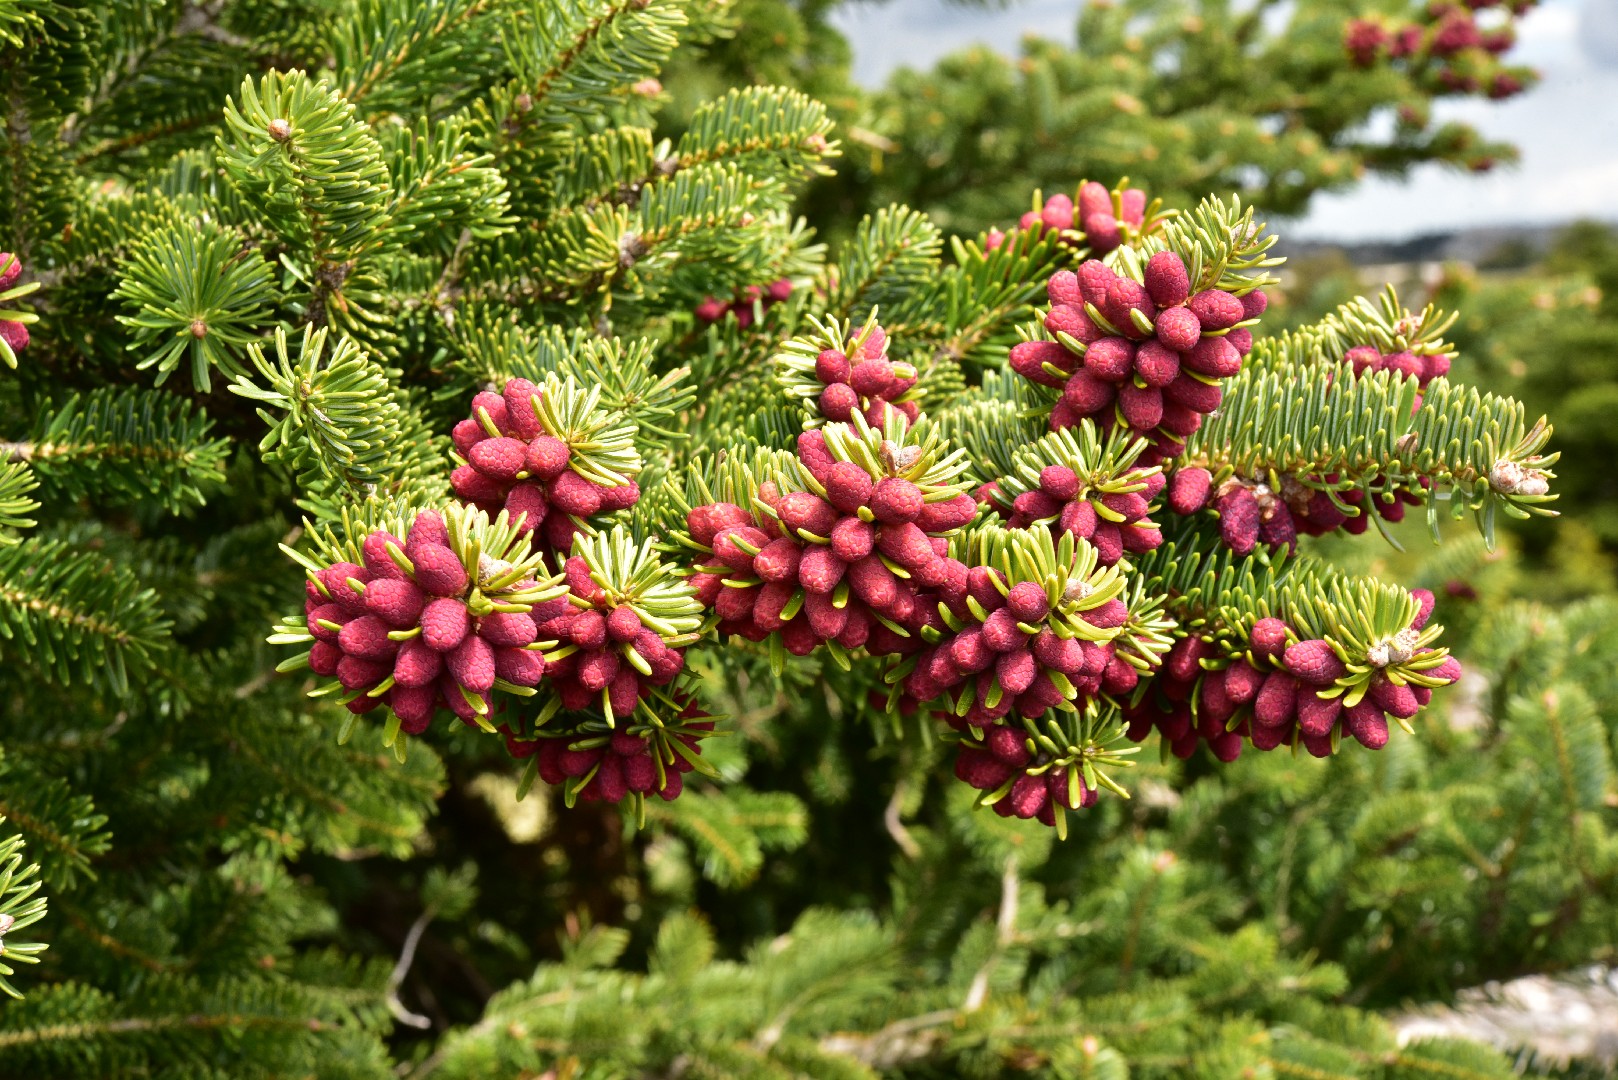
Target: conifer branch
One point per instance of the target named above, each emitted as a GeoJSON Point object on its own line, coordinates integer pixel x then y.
{"type": "Point", "coordinates": [298, 153]}
{"type": "Point", "coordinates": [64, 827]}
{"type": "Point", "coordinates": [73, 617]}
{"type": "Point", "coordinates": [195, 291]}
{"type": "Point", "coordinates": [342, 420]}
{"type": "Point", "coordinates": [131, 443]}
{"type": "Point", "coordinates": [1366, 432]}
{"type": "Point", "coordinates": [568, 58]}
{"type": "Point", "coordinates": [20, 908]}
{"type": "Point", "coordinates": [893, 251]}
{"type": "Point", "coordinates": [382, 45]}
{"type": "Point", "coordinates": [441, 188]}
{"type": "Point", "coordinates": [970, 316]}
{"type": "Point", "coordinates": [771, 132]}
{"type": "Point", "coordinates": [17, 481]}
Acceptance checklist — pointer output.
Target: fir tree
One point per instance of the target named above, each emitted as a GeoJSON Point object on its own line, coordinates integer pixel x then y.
{"type": "Point", "coordinates": [1273, 101]}
{"type": "Point", "coordinates": [583, 452]}
{"type": "Point", "coordinates": [1542, 333]}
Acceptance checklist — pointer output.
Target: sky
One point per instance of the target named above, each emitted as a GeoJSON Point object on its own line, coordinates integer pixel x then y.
{"type": "Point", "coordinates": [1566, 127]}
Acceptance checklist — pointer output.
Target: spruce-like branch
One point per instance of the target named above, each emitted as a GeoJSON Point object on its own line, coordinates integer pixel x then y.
{"type": "Point", "coordinates": [441, 187]}
{"type": "Point", "coordinates": [894, 251]}
{"type": "Point", "coordinates": [1308, 423]}
{"type": "Point", "coordinates": [971, 314]}
{"type": "Point", "coordinates": [732, 830]}
{"type": "Point", "coordinates": [254, 1026]}
{"type": "Point", "coordinates": [340, 418]}
{"type": "Point", "coordinates": [570, 59]}
{"type": "Point", "coordinates": [17, 480]}
{"type": "Point", "coordinates": [74, 617]}
{"type": "Point", "coordinates": [770, 131]}
{"type": "Point", "coordinates": [20, 908]}
{"type": "Point", "coordinates": [128, 443]}
{"type": "Point", "coordinates": [383, 50]}
{"type": "Point", "coordinates": [195, 290]}
{"type": "Point", "coordinates": [63, 826]}
{"type": "Point", "coordinates": [315, 171]}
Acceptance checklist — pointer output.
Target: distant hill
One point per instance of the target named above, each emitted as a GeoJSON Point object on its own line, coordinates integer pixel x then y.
{"type": "Point", "coordinates": [1504, 244]}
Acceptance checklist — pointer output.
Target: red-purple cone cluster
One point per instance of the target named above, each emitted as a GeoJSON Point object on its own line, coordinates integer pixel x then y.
{"type": "Point", "coordinates": [1251, 512]}
{"type": "Point", "coordinates": [744, 303]}
{"type": "Point", "coordinates": [523, 468]}
{"type": "Point", "coordinates": [619, 763]}
{"type": "Point", "coordinates": [1450, 50]}
{"type": "Point", "coordinates": [867, 383]}
{"type": "Point", "coordinates": [1278, 694]}
{"type": "Point", "coordinates": [1096, 222]}
{"type": "Point", "coordinates": [1424, 369]}
{"type": "Point", "coordinates": [782, 572]}
{"type": "Point", "coordinates": [1114, 523]}
{"type": "Point", "coordinates": [1013, 653]}
{"type": "Point", "coordinates": [1019, 667]}
{"type": "Point", "coordinates": [413, 627]}
{"type": "Point", "coordinates": [1314, 513]}
{"type": "Point", "coordinates": [1157, 377]}
{"type": "Point", "coordinates": [603, 634]}
{"type": "Point", "coordinates": [14, 334]}
{"type": "Point", "coordinates": [1037, 788]}
{"type": "Point", "coordinates": [1365, 40]}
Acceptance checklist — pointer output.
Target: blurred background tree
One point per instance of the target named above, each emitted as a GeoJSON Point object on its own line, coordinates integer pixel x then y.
{"type": "Point", "coordinates": [1547, 333]}
{"type": "Point", "coordinates": [233, 894]}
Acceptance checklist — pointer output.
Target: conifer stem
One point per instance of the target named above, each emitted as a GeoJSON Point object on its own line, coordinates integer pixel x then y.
{"type": "Point", "coordinates": [407, 956]}
{"type": "Point", "coordinates": [1005, 933]}
{"type": "Point", "coordinates": [894, 823]}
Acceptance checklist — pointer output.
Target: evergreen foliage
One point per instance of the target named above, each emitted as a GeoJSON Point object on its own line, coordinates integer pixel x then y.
{"type": "Point", "coordinates": [560, 422]}
{"type": "Point", "coordinates": [1266, 99]}
{"type": "Point", "coordinates": [1542, 333]}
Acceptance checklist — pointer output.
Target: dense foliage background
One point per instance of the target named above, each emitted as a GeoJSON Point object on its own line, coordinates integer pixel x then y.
{"type": "Point", "coordinates": [234, 893]}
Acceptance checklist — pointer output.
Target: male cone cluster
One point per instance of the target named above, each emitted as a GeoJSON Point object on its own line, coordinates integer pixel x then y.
{"type": "Point", "coordinates": [1284, 691]}
{"type": "Point", "coordinates": [1019, 638]}
{"type": "Point", "coordinates": [742, 305]}
{"type": "Point", "coordinates": [1450, 48]}
{"type": "Point", "coordinates": [849, 565]}
{"type": "Point", "coordinates": [511, 462]}
{"type": "Point", "coordinates": [610, 647]}
{"type": "Point", "coordinates": [1010, 651]}
{"type": "Point", "coordinates": [397, 631]}
{"type": "Point", "coordinates": [1019, 663]}
{"type": "Point", "coordinates": [609, 765]}
{"type": "Point", "coordinates": [1098, 221]}
{"type": "Point", "coordinates": [866, 382]}
{"type": "Point", "coordinates": [12, 332]}
{"type": "Point", "coordinates": [1423, 368]}
{"type": "Point", "coordinates": [1143, 355]}
{"type": "Point", "coordinates": [414, 631]}
{"type": "Point", "coordinates": [1036, 788]}
{"type": "Point", "coordinates": [1253, 512]}
{"type": "Point", "coordinates": [1115, 523]}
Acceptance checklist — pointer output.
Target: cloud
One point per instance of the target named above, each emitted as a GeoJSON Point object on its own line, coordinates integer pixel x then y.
{"type": "Point", "coordinates": [1598, 31]}
{"type": "Point", "coordinates": [1566, 128]}
{"type": "Point", "coordinates": [891, 34]}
